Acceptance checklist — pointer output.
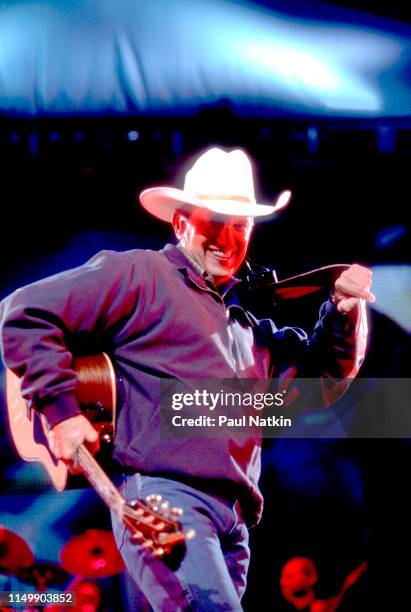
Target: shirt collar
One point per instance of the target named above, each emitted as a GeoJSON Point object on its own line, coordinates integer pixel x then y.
{"type": "Point", "coordinates": [196, 265]}
{"type": "Point", "coordinates": [179, 256]}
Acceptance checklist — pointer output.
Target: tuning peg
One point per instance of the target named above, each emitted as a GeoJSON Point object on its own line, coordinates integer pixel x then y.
{"type": "Point", "coordinates": [137, 535]}
{"type": "Point", "coordinates": [149, 519]}
{"type": "Point", "coordinates": [190, 534]}
{"type": "Point", "coordinates": [176, 512]}
{"type": "Point", "coordinates": [159, 526]}
{"type": "Point", "coordinates": [165, 507]}
{"type": "Point", "coordinates": [153, 499]}
{"type": "Point", "coordinates": [136, 505]}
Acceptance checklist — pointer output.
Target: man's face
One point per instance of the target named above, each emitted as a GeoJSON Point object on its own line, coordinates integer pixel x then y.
{"type": "Point", "coordinates": [218, 243]}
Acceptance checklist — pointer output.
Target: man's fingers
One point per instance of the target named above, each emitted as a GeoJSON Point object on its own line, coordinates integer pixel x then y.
{"type": "Point", "coordinates": [350, 289]}
{"type": "Point", "coordinates": [359, 272]}
{"type": "Point", "coordinates": [63, 451]}
{"type": "Point", "coordinates": [92, 435]}
{"type": "Point", "coordinates": [92, 440]}
{"type": "Point", "coordinates": [357, 292]}
{"type": "Point", "coordinates": [347, 282]}
{"type": "Point", "coordinates": [73, 466]}
{"type": "Point", "coordinates": [94, 446]}
{"type": "Point", "coordinates": [346, 305]}
{"type": "Point", "coordinates": [355, 282]}
{"type": "Point", "coordinates": [66, 436]}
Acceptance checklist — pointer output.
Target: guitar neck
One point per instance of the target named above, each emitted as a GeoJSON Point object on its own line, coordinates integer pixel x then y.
{"type": "Point", "coordinates": [150, 523]}
{"type": "Point", "coordinates": [100, 481]}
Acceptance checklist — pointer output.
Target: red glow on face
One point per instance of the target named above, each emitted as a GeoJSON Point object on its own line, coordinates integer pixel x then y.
{"type": "Point", "coordinates": [219, 244]}
{"type": "Point", "coordinates": [88, 596]}
{"type": "Point", "coordinates": [298, 576]}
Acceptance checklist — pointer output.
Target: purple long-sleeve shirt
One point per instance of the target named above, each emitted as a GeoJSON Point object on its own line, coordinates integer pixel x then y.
{"type": "Point", "coordinates": [157, 318]}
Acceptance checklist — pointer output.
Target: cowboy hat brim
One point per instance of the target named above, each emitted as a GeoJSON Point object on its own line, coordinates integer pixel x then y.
{"type": "Point", "coordinates": [162, 202]}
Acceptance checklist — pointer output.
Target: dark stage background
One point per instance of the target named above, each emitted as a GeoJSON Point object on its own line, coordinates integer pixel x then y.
{"type": "Point", "coordinates": [69, 186]}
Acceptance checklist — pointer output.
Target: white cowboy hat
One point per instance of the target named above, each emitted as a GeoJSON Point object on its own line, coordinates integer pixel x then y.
{"type": "Point", "coordinates": [219, 181]}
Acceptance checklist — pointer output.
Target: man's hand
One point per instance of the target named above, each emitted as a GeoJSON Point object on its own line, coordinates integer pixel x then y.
{"type": "Point", "coordinates": [66, 437]}
{"type": "Point", "coordinates": [352, 285]}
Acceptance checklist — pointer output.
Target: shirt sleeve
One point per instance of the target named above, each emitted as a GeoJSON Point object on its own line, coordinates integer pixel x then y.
{"type": "Point", "coordinates": [37, 323]}
{"type": "Point", "coordinates": [338, 346]}
{"type": "Point", "coordinates": [340, 340]}
{"type": "Point", "coordinates": [331, 355]}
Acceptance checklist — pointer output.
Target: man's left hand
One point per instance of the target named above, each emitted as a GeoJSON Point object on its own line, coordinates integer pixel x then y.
{"type": "Point", "coordinates": [352, 285]}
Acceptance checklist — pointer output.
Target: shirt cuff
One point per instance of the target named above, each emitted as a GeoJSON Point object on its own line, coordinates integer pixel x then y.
{"type": "Point", "coordinates": [60, 408]}
{"type": "Point", "coordinates": [339, 320]}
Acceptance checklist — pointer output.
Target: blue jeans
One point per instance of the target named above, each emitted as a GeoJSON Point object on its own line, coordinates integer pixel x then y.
{"type": "Point", "coordinates": [212, 574]}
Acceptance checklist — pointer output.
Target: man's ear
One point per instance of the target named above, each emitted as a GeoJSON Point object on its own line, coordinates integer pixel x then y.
{"type": "Point", "coordinates": [179, 222]}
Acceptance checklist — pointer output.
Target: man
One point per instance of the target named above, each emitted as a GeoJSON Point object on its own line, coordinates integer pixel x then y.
{"type": "Point", "coordinates": [173, 314]}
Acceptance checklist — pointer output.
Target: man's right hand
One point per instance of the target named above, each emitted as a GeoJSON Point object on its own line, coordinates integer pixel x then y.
{"type": "Point", "coordinates": [66, 437]}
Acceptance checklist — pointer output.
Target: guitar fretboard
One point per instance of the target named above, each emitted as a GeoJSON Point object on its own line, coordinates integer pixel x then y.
{"type": "Point", "coordinates": [100, 481]}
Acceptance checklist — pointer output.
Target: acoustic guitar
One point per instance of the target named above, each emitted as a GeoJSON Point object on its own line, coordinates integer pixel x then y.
{"type": "Point", "coordinates": [151, 523]}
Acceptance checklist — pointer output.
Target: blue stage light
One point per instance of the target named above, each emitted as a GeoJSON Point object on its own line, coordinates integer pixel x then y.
{"type": "Point", "coordinates": [387, 236]}
{"type": "Point", "coordinates": [133, 135]}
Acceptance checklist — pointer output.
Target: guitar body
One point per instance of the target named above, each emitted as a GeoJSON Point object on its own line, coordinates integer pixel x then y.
{"type": "Point", "coordinates": [96, 392]}
{"type": "Point", "coordinates": [151, 522]}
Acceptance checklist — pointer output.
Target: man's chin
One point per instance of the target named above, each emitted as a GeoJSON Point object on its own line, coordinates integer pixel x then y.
{"type": "Point", "coordinates": [221, 271]}
{"type": "Point", "coordinates": [221, 276]}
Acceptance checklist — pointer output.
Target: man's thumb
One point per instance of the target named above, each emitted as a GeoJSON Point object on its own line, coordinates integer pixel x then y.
{"type": "Point", "coordinates": [92, 434]}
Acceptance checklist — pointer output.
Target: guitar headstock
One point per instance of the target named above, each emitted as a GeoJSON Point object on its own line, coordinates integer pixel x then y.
{"type": "Point", "coordinates": [155, 525]}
